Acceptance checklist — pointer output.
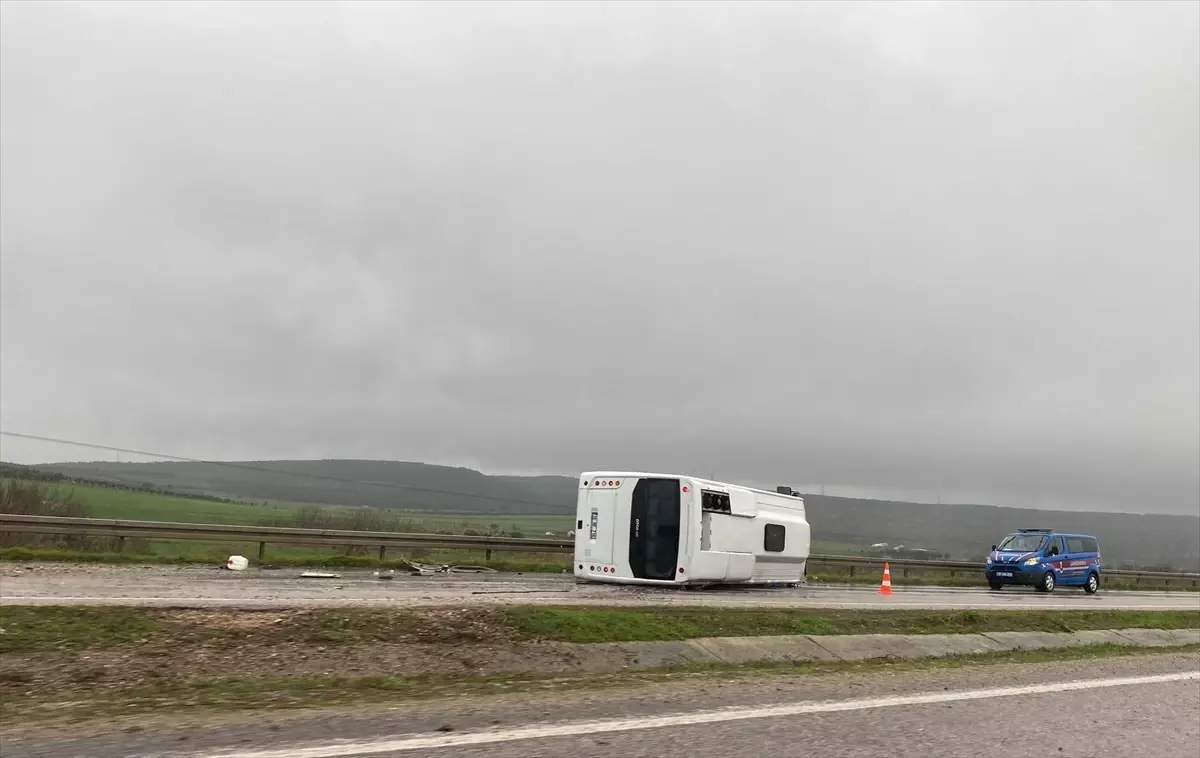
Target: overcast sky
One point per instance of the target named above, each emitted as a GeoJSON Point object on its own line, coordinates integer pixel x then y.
{"type": "Point", "coordinates": [892, 248]}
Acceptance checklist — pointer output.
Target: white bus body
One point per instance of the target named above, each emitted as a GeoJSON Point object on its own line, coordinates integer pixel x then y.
{"type": "Point", "coordinates": [672, 529]}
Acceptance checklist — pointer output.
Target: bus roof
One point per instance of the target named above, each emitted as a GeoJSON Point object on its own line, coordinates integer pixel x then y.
{"type": "Point", "coordinates": [697, 479]}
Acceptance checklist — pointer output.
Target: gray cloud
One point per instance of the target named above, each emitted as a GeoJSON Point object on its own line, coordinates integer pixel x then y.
{"type": "Point", "coordinates": [891, 247]}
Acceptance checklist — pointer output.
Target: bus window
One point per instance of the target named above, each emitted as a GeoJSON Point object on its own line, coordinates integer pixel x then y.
{"type": "Point", "coordinates": [773, 538]}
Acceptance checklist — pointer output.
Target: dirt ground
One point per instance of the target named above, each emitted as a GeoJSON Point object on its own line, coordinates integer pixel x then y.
{"type": "Point", "coordinates": [205, 645]}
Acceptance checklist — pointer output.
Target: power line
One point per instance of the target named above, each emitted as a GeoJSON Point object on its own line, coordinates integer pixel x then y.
{"type": "Point", "coordinates": [265, 470]}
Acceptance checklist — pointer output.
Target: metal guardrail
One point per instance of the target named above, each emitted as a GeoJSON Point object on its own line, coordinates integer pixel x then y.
{"type": "Point", "coordinates": [264, 535]}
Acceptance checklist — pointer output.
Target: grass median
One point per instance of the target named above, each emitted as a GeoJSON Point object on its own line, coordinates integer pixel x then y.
{"type": "Point", "coordinates": [43, 628]}
{"type": "Point", "coordinates": [568, 624]}
{"type": "Point", "coordinates": [94, 661]}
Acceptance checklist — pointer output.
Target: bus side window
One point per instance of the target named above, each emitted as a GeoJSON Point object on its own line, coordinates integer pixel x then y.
{"type": "Point", "coordinates": [773, 538]}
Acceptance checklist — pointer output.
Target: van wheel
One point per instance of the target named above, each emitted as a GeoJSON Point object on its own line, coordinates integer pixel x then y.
{"type": "Point", "coordinates": [1093, 584]}
{"type": "Point", "coordinates": [1047, 583]}
{"type": "Point", "coordinates": [995, 586]}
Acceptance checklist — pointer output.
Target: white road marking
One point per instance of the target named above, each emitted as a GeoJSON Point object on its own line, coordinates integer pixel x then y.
{"type": "Point", "coordinates": [347, 749]}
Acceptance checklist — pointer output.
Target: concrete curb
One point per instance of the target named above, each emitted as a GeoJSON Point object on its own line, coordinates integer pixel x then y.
{"type": "Point", "coordinates": [866, 647]}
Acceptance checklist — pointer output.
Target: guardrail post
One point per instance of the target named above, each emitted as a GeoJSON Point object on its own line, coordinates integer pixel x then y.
{"type": "Point", "coordinates": [487, 554]}
{"type": "Point", "coordinates": [382, 551]}
{"type": "Point", "coordinates": [120, 544]}
{"type": "Point", "coordinates": [852, 572]}
{"type": "Point", "coordinates": [262, 551]}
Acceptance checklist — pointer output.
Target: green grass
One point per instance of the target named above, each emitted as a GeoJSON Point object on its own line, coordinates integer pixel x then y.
{"type": "Point", "coordinates": [111, 503]}
{"type": "Point", "coordinates": [32, 628]}
{"type": "Point", "coordinates": [73, 627]}
{"type": "Point", "coordinates": [105, 502]}
{"type": "Point", "coordinates": [45, 628]}
{"type": "Point", "coordinates": [570, 624]}
{"type": "Point", "coordinates": [330, 691]}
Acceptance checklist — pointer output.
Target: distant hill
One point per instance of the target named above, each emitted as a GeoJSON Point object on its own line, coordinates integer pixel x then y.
{"type": "Point", "coordinates": [381, 484]}
{"type": "Point", "coordinates": [964, 531]}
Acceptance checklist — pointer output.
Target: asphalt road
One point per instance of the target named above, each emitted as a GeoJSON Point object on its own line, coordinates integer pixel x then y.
{"type": "Point", "coordinates": [53, 584]}
{"type": "Point", "coordinates": [1135, 706]}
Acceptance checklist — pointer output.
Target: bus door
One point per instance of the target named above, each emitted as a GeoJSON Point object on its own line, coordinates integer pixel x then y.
{"type": "Point", "coordinates": [654, 525]}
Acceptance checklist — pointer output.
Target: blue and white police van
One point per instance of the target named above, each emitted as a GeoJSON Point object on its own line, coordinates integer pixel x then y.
{"type": "Point", "coordinates": [1045, 559]}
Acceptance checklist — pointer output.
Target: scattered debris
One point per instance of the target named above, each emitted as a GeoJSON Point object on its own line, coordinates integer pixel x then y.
{"type": "Point", "coordinates": [517, 592]}
{"type": "Point", "coordinates": [237, 563]}
{"type": "Point", "coordinates": [429, 569]}
{"type": "Point", "coordinates": [320, 575]}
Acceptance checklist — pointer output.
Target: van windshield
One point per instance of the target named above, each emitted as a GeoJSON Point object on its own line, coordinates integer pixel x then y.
{"type": "Point", "coordinates": [1023, 543]}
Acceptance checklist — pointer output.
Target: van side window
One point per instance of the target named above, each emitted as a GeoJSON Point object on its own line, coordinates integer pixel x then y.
{"type": "Point", "coordinates": [1056, 546]}
{"type": "Point", "coordinates": [1076, 545]}
{"type": "Point", "coordinates": [1090, 545]}
{"type": "Point", "coordinates": [714, 502]}
{"type": "Point", "coordinates": [773, 538]}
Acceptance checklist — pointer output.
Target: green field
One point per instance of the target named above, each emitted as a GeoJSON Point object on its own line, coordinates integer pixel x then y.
{"type": "Point", "coordinates": [104, 502]}
{"type": "Point", "coordinates": [110, 503]}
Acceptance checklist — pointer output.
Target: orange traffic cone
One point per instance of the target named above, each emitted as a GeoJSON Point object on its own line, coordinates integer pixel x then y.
{"type": "Point", "coordinates": [886, 587]}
